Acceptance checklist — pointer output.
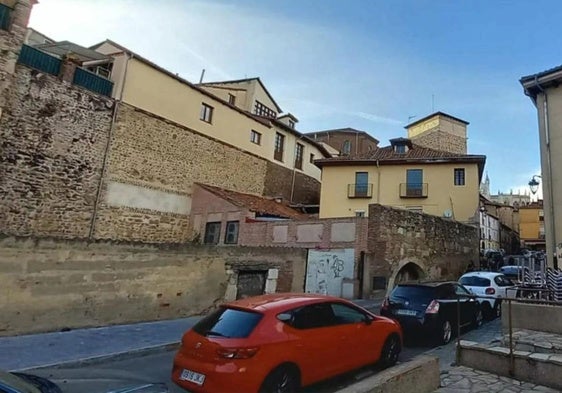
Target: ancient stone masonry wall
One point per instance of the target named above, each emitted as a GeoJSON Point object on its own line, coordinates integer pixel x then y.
{"type": "Point", "coordinates": [52, 284]}
{"type": "Point", "coordinates": [163, 158]}
{"type": "Point", "coordinates": [441, 248]}
{"type": "Point", "coordinates": [279, 182]}
{"type": "Point", "coordinates": [440, 140]}
{"type": "Point", "coordinates": [52, 142]}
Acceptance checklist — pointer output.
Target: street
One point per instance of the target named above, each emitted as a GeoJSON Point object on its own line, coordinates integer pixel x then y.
{"type": "Point", "coordinates": [154, 368]}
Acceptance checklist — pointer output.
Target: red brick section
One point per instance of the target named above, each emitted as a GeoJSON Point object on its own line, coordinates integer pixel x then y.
{"type": "Point", "coordinates": [255, 203]}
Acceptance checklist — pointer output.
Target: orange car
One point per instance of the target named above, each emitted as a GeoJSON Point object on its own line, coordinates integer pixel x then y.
{"type": "Point", "coordinates": [280, 342]}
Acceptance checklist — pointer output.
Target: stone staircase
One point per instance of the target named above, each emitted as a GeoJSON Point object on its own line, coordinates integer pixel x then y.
{"type": "Point", "coordinates": [535, 341]}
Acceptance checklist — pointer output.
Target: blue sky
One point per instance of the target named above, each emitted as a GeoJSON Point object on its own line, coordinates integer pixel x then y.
{"type": "Point", "coordinates": [369, 65]}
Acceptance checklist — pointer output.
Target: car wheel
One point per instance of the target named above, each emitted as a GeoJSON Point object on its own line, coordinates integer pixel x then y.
{"type": "Point", "coordinates": [498, 309]}
{"type": "Point", "coordinates": [487, 311]}
{"type": "Point", "coordinates": [478, 319]}
{"type": "Point", "coordinates": [284, 379]}
{"type": "Point", "coordinates": [390, 351]}
{"type": "Point", "coordinates": [446, 332]}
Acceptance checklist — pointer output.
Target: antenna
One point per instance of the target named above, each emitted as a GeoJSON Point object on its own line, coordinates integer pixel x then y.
{"type": "Point", "coordinates": [432, 103]}
{"type": "Point", "coordinates": [202, 75]}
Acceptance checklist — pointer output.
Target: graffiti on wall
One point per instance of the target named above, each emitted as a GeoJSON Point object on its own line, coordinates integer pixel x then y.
{"type": "Point", "coordinates": [327, 269]}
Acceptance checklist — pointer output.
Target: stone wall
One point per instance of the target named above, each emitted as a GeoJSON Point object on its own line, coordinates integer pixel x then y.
{"type": "Point", "coordinates": [404, 244]}
{"type": "Point", "coordinates": [441, 140]}
{"type": "Point", "coordinates": [293, 186]}
{"type": "Point", "coordinates": [53, 139]}
{"type": "Point", "coordinates": [48, 285]}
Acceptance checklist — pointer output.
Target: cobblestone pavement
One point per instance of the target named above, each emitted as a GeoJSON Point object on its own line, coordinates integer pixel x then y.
{"type": "Point", "coordinates": [466, 380]}
{"type": "Point", "coordinates": [534, 341]}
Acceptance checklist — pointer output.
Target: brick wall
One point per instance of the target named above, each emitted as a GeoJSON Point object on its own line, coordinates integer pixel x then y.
{"type": "Point", "coordinates": [279, 182]}
{"type": "Point", "coordinates": [48, 284]}
{"type": "Point", "coordinates": [440, 248]}
{"type": "Point", "coordinates": [53, 139]}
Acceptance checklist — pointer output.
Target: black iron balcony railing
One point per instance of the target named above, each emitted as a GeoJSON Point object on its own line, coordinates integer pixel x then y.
{"type": "Point", "coordinates": [362, 190]}
{"type": "Point", "coordinates": [413, 190]}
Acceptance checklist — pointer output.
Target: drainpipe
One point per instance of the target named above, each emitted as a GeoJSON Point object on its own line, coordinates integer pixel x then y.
{"type": "Point", "coordinates": [378, 183]}
{"type": "Point", "coordinates": [549, 168]}
{"type": "Point", "coordinates": [106, 152]}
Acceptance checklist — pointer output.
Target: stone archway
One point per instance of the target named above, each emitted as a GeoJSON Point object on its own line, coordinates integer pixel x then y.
{"type": "Point", "coordinates": [407, 271]}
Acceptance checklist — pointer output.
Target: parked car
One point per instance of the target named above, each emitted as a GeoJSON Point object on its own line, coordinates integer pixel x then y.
{"type": "Point", "coordinates": [280, 342]}
{"type": "Point", "coordinates": [489, 284]}
{"type": "Point", "coordinates": [431, 309]}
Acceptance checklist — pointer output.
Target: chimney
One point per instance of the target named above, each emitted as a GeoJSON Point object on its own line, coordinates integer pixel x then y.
{"type": "Point", "coordinates": [68, 67]}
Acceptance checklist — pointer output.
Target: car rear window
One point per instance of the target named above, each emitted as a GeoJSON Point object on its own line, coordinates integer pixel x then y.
{"type": "Point", "coordinates": [229, 323]}
{"type": "Point", "coordinates": [413, 292]}
{"type": "Point", "coordinates": [475, 281]}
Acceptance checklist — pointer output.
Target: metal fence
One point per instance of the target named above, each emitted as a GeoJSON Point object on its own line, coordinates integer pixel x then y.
{"type": "Point", "coordinates": [93, 82]}
{"type": "Point", "coordinates": [39, 60]}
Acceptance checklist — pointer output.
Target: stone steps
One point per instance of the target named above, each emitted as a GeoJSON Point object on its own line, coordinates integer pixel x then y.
{"type": "Point", "coordinates": [535, 341]}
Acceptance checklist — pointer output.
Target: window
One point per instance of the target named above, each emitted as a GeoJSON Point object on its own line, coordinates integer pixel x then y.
{"type": "Point", "coordinates": [359, 213]}
{"type": "Point", "coordinates": [262, 110]}
{"type": "Point", "coordinates": [474, 281]}
{"type": "Point", "coordinates": [503, 281]}
{"type": "Point", "coordinates": [345, 314]}
{"type": "Point", "coordinates": [279, 146]}
{"type": "Point", "coordinates": [461, 291]}
{"type": "Point", "coordinates": [206, 113]}
{"type": "Point", "coordinates": [299, 152]}
{"type": "Point", "coordinates": [346, 148]}
{"type": "Point", "coordinates": [291, 123]}
{"type": "Point", "coordinates": [231, 99]}
{"type": "Point", "coordinates": [361, 183]}
{"type": "Point", "coordinates": [229, 323]}
{"type": "Point", "coordinates": [311, 158]}
{"type": "Point", "coordinates": [309, 317]}
{"type": "Point", "coordinates": [414, 182]}
{"type": "Point", "coordinates": [212, 232]}
{"type": "Point", "coordinates": [255, 137]}
{"type": "Point", "coordinates": [4, 16]}
{"type": "Point", "coordinates": [400, 149]}
{"type": "Point", "coordinates": [459, 176]}
{"type": "Point", "coordinates": [231, 235]}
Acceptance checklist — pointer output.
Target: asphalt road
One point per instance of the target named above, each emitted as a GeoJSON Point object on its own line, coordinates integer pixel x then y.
{"type": "Point", "coordinates": [156, 367]}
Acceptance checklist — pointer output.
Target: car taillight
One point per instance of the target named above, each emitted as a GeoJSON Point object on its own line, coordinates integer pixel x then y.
{"type": "Point", "coordinates": [237, 353]}
{"type": "Point", "coordinates": [385, 303]}
{"type": "Point", "coordinates": [433, 307]}
{"type": "Point", "coordinates": [490, 291]}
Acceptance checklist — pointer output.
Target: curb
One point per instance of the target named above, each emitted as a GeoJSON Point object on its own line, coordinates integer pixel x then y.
{"type": "Point", "coordinates": [122, 355]}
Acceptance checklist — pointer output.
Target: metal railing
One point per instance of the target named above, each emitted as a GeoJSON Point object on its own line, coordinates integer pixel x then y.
{"type": "Point", "coordinates": [5, 12]}
{"type": "Point", "coordinates": [540, 296]}
{"type": "Point", "coordinates": [413, 190]}
{"type": "Point", "coordinates": [39, 60]}
{"type": "Point", "coordinates": [93, 82]}
{"type": "Point", "coordinates": [360, 190]}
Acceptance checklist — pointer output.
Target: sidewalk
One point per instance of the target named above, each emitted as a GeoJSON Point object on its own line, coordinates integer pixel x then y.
{"type": "Point", "coordinates": [49, 349]}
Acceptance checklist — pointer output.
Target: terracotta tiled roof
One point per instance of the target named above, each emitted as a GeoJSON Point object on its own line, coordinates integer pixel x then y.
{"type": "Point", "coordinates": [388, 153]}
{"type": "Point", "coordinates": [255, 203]}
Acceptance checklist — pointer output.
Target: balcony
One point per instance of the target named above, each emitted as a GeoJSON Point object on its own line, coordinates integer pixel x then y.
{"type": "Point", "coordinates": [92, 82]}
{"type": "Point", "coordinates": [413, 190]}
{"type": "Point", "coordinates": [4, 16]}
{"type": "Point", "coordinates": [364, 190]}
{"type": "Point", "coordinates": [39, 60]}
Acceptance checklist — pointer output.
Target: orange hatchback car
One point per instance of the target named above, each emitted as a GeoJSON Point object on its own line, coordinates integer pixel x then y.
{"type": "Point", "coordinates": [280, 342]}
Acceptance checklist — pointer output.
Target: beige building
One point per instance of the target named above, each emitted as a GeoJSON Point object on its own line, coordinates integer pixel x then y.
{"type": "Point", "coordinates": [345, 141]}
{"type": "Point", "coordinates": [240, 113]}
{"type": "Point", "coordinates": [439, 131]}
{"type": "Point", "coordinates": [531, 225]}
{"type": "Point", "coordinates": [543, 89]}
{"type": "Point", "coordinates": [402, 175]}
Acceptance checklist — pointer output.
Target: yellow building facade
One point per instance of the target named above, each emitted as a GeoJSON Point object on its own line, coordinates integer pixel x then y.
{"type": "Point", "coordinates": [405, 176]}
{"type": "Point", "coordinates": [531, 225]}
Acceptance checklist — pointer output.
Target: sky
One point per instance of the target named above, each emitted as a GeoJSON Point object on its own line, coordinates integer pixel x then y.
{"type": "Point", "coordinates": [372, 65]}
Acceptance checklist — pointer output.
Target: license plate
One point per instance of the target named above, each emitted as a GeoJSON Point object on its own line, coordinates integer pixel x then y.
{"type": "Point", "coordinates": [192, 376]}
{"type": "Point", "coordinates": [411, 313]}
